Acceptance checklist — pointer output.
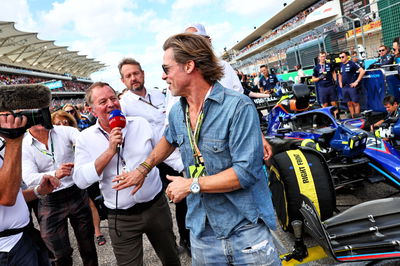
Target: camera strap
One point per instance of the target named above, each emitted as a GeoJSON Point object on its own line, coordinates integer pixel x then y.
{"type": "Point", "coordinates": [12, 133]}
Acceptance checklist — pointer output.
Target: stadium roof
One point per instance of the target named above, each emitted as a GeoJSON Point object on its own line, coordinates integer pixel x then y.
{"type": "Point", "coordinates": [25, 49]}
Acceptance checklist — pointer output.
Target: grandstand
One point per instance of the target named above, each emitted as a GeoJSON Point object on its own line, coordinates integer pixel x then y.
{"type": "Point", "coordinates": [24, 58]}
{"type": "Point", "coordinates": [301, 29]}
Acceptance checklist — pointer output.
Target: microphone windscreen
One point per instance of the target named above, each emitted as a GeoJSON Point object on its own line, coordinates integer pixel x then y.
{"type": "Point", "coordinates": [24, 96]}
{"type": "Point", "coordinates": [117, 119]}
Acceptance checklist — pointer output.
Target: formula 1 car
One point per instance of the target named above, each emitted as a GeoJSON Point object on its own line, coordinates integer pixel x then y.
{"type": "Point", "coordinates": [343, 143]}
{"type": "Point", "coordinates": [316, 154]}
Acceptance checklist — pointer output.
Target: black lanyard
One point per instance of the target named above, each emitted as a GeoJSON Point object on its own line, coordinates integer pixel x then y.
{"type": "Point", "coordinates": [122, 147]}
{"type": "Point", "coordinates": [148, 102]}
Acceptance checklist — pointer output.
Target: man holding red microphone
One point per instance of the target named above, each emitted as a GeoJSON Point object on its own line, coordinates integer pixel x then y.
{"type": "Point", "coordinates": [107, 149]}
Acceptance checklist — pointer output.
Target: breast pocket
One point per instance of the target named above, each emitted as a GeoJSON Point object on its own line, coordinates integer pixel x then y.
{"type": "Point", "coordinates": [216, 151]}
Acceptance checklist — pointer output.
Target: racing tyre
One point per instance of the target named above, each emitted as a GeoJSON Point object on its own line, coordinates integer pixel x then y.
{"type": "Point", "coordinates": [295, 172]}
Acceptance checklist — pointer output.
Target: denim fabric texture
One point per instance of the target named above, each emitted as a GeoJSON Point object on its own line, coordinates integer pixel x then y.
{"type": "Point", "coordinates": [251, 244]}
{"type": "Point", "coordinates": [229, 137]}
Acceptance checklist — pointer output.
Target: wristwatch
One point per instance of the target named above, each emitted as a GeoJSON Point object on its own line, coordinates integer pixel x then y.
{"type": "Point", "coordinates": [195, 186]}
{"type": "Point", "coordinates": [37, 194]}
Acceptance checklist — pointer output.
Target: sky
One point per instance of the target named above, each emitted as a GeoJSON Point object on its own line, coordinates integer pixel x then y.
{"type": "Point", "coordinates": [109, 30]}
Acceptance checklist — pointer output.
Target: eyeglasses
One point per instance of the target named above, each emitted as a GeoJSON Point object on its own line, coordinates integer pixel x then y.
{"type": "Point", "coordinates": [381, 50]}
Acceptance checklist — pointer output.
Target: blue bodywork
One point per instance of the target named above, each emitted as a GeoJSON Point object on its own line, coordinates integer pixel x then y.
{"type": "Point", "coordinates": [346, 137]}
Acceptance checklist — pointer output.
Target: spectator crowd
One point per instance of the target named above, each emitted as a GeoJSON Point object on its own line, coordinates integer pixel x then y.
{"type": "Point", "coordinates": [283, 28]}
{"type": "Point", "coordinates": [58, 101]}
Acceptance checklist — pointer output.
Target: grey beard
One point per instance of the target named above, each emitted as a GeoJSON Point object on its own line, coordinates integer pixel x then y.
{"type": "Point", "coordinates": [138, 89]}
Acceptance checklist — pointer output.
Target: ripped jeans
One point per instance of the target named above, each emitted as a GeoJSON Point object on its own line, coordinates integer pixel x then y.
{"type": "Point", "coordinates": [250, 244]}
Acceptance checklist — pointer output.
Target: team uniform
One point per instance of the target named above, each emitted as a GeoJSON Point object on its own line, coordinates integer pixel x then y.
{"type": "Point", "coordinates": [349, 75]}
{"type": "Point", "coordinates": [326, 87]}
{"type": "Point", "coordinates": [268, 83]}
{"type": "Point", "coordinates": [385, 60]}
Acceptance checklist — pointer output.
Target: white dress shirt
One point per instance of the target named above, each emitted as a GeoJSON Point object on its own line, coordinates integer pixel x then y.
{"type": "Point", "coordinates": [151, 107]}
{"type": "Point", "coordinates": [38, 161]}
{"type": "Point", "coordinates": [139, 141]}
{"type": "Point", "coordinates": [135, 105]}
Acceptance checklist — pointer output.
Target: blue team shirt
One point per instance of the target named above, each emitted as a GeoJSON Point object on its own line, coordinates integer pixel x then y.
{"type": "Point", "coordinates": [268, 84]}
{"type": "Point", "coordinates": [349, 72]}
{"type": "Point", "coordinates": [325, 69]}
{"type": "Point", "coordinates": [385, 60]}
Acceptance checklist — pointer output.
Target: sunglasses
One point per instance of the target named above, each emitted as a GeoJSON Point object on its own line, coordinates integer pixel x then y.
{"type": "Point", "coordinates": [381, 51]}
{"type": "Point", "coordinates": [165, 68]}
{"type": "Point", "coordinates": [70, 111]}
{"type": "Point", "coordinates": [341, 57]}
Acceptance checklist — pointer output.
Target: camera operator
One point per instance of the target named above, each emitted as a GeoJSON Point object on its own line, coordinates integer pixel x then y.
{"type": "Point", "coordinates": [16, 247]}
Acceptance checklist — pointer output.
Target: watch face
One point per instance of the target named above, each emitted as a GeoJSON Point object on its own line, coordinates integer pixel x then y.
{"type": "Point", "coordinates": [195, 188]}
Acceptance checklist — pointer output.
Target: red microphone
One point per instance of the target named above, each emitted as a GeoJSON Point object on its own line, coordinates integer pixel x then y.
{"type": "Point", "coordinates": [117, 119]}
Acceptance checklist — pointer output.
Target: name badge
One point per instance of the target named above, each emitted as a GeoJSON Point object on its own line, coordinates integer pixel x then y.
{"type": "Point", "coordinates": [197, 170]}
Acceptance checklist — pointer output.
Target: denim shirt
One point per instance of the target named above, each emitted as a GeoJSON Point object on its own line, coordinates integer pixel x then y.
{"type": "Point", "coordinates": [230, 136]}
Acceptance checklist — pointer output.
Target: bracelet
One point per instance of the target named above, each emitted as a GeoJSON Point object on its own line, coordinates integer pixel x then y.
{"type": "Point", "coordinates": [147, 166]}
{"type": "Point", "coordinates": [36, 192]}
{"type": "Point", "coordinates": [143, 173]}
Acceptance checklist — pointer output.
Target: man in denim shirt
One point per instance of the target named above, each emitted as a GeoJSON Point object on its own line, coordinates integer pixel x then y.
{"type": "Point", "coordinates": [229, 205]}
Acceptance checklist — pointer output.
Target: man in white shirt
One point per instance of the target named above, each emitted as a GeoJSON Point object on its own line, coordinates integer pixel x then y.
{"type": "Point", "coordinates": [102, 153]}
{"type": "Point", "coordinates": [51, 152]}
{"type": "Point", "coordinates": [143, 102]}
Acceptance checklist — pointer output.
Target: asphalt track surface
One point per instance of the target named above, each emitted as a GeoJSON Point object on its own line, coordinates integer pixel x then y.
{"type": "Point", "coordinates": [345, 199]}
